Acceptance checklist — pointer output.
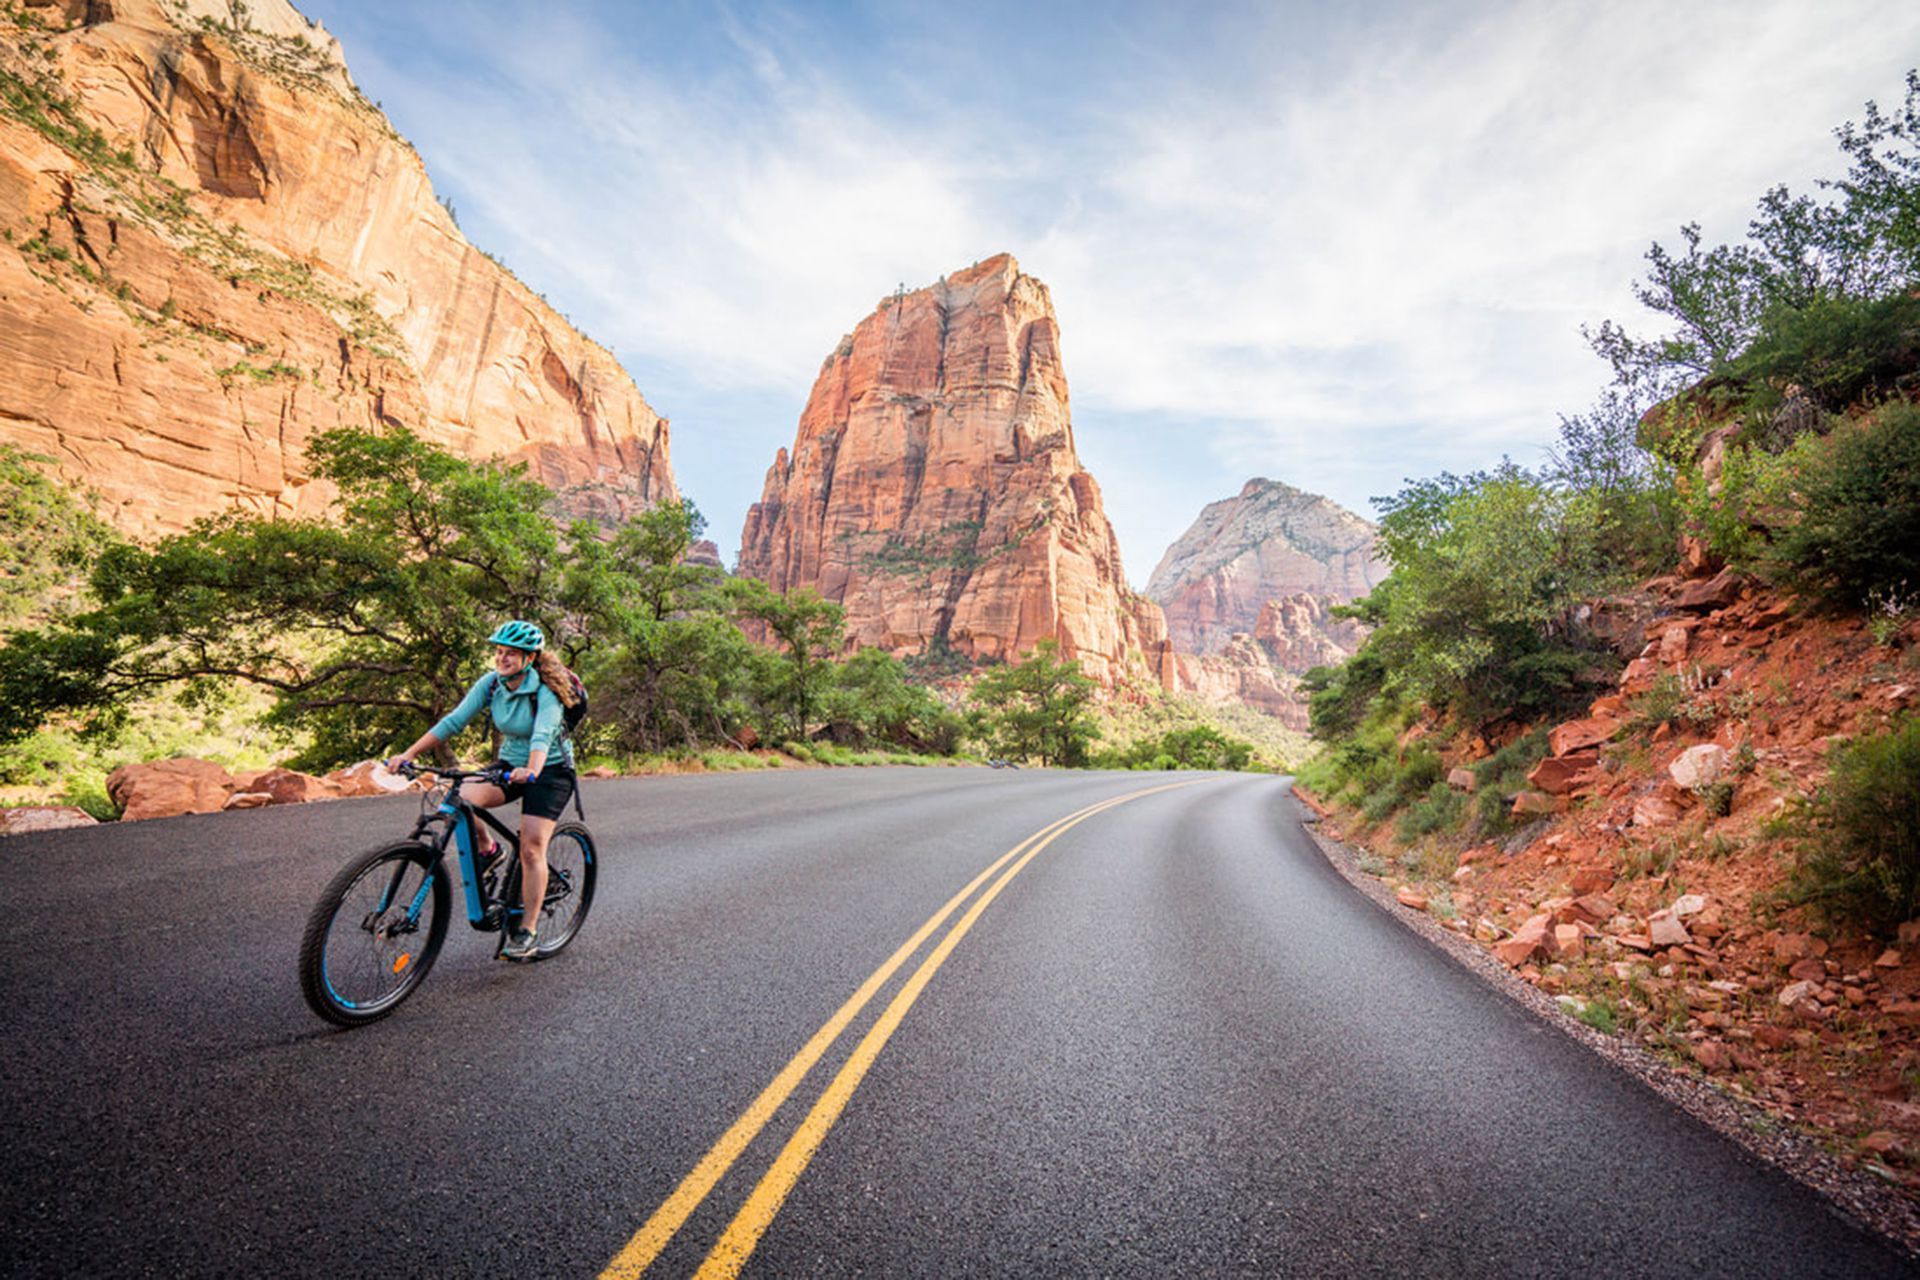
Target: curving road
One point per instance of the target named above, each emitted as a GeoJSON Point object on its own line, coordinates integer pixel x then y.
{"type": "Point", "coordinates": [1159, 1039]}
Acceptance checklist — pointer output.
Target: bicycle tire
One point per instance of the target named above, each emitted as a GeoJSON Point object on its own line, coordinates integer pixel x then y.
{"type": "Point", "coordinates": [570, 856]}
{"type": "Point", "coordinates": [570, 882]}
{"type": "Point", "coordinates": [343, 975]}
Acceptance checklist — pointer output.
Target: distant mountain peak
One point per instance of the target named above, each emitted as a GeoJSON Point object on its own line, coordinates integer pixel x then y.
{"type": "Point", "coordinates": [1270, 542]}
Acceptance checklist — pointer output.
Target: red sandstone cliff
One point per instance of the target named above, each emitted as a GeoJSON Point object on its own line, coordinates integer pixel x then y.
{"type": "Point", "coordinates": [214, 247]}
{"type": "Point", "coordinates": [933, 488]}
{"type": "Point", "coordinates": [1270, 543]}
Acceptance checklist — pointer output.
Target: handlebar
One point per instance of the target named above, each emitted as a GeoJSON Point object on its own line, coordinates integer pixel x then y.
{"type": "Point", "coordinates": [413, 768]}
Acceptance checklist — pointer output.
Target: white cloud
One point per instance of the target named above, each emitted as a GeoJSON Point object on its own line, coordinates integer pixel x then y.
{"type": "Point", "coordinates": [1338, 264]}
{"type": "Point", "coordinates": [1448, 212]}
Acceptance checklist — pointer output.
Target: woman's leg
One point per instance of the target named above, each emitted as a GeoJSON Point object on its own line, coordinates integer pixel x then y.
{"type": "Point", "coordinates": [483, 795]}
{"type": "Point", "coordinates": [534, 834]}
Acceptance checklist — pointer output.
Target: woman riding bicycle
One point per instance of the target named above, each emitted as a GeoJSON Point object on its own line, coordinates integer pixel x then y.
{"type": "Point", "coordinates": [527, 691]}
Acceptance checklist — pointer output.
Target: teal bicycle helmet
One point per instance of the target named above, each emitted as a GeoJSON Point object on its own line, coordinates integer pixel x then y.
{"type": "Point", "coordinates": [519, 635]}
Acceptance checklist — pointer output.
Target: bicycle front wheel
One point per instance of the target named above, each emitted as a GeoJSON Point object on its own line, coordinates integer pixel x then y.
{"type": "Point", "coordinates": [374, 933]}
{"type": "Point", "coordinates": [572, 866]}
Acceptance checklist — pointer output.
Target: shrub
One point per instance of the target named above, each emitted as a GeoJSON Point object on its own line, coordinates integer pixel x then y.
{"type": "Point", "coordinates": [1837, 349]}
{"type": "Point", "coordinates": [1403, 782]}
{"type": "Point", "coordinates": [1479, 614]}
{"type": "Point", "coordinates": [798, 751]}
{"type": "Point", "coordinates": [1338, 697]}
{"type": "Point", "coordinates": [1858, 531]}
{"type": "Point", "coordinates": [1717, 798]}
{"type": "Point", "coordinates": [1600, 1015]}
{"type": "Point", "coordinates": [1860, 837]}
{"type": "Point", "coordinates": [1441, 808]}
{"type": "Point", "coordinates": [1503, 775]}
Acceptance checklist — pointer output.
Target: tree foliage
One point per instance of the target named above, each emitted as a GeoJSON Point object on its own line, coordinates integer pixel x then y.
{"type": "Point", "coordinates": [1194, 747]}
{"type": "Point", "coordinates": [1480, 613]}
{"type": "Point", "coordinates": [674, 673]}
{"type": "Point", "coordinates": [1853, 535]}
{"type": "Point", "coordinates": [1822, 257]}
{"type": "Point", "coordinates": [1038, 709]}
{"type": "Point", "coordinates": [363, 625]}
{"type": "Point", "coordinates": [806, 632]}
{"type": "Point", "coordinates": [47, 535]}
{"type": "Point", "coordinates": [873, 702]}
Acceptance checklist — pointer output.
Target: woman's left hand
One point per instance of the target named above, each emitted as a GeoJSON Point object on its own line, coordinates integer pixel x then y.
{"type": "Point", "coordinates": [522, 774]}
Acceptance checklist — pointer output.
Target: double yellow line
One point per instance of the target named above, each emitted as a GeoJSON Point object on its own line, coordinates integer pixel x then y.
{"type": "Point", "coordinates": [757, 1214]}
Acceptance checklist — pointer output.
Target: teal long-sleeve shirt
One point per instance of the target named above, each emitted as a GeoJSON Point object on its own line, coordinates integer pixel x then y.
{"type": "Point", "coordinates": [527, 717]}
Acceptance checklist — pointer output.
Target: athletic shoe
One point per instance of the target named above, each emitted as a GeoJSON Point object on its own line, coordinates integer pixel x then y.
{"type": "Point", "coordinates": [520, 946]}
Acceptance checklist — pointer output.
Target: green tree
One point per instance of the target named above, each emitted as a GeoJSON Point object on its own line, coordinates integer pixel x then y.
{"type": "Point", "coordinates": [1857, 243]}
{"type": "Point", "coordinates": [1854, 535]}
{"type": "Point", "coordinates": [872, 700]}
{"type": "Point", "coordinates": [673, 672]}
{"type": "Point", "coordinates": [806, 631]}
{"type": "Point", "coordinates": [1040, 709]}
{"type": "Point", "coordinates": [1481, 611]}
{"type": "Point", "coordinates": [364, 625]}
{"type": "Point", "coordinates": [1626, 494]}
{"type": "Point", "coordinates": [47, 538]}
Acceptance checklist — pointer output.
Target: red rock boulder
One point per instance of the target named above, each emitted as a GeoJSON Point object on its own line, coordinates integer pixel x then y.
{"type": "Point", "coordinates": [163, 788]}
{"type": "Point", "coordinates": [368, 778]}
{"type": "Point", "coordinates": [288, 786]}
{"type": "Point", "coordinates": [42, 817]}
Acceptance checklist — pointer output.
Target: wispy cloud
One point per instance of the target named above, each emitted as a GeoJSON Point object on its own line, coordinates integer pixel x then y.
{"type": "Point", "coordinates": [1333, 251]}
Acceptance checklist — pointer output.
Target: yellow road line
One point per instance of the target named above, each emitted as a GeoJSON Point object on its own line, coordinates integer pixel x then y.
{"type": "Point", "coordinates": [744, 1232]}
{"type": "Point", "coordinates": [660, 1228]}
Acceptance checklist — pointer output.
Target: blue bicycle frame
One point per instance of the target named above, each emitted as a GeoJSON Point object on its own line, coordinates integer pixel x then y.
{"type": "Point", "coordinates": [459, 826]}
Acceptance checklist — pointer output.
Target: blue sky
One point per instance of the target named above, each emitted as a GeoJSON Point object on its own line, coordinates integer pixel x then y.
{"type": "Point", "coordinates": [1335, 245]}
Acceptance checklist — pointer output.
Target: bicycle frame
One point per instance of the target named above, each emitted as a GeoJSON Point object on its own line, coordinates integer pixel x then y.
{"type": "Point", "coordinates": [461, 830]}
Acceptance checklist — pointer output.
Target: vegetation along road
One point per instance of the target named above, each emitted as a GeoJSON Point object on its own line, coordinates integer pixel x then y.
{"type": "Point", "coordinates": [885, 1022]}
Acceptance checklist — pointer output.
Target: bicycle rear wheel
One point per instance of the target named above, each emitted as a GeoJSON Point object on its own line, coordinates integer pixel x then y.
{"type": "Point", "coordinates": [374, 933]}
{"type": "Point", "coordinates": [572, 867]}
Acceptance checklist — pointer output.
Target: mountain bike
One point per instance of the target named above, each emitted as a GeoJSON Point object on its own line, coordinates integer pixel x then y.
{"type": "Point", "coordinates": [378, 926]}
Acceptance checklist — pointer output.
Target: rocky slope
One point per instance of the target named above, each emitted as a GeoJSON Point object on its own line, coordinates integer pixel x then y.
{"type": "Point", "coordinates": [933, 488]}
{"type": "Point", "coordinates": [1270, 543]}
{"type": "Point", "coordinates": [212, 247]}
{"type": "Point", "coordinates": [1636, 885]}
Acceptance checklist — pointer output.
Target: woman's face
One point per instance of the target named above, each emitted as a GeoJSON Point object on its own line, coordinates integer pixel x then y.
{"type": "Point", "coordinates": [509, 661]}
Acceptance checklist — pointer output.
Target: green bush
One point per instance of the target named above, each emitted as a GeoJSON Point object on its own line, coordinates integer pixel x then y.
{"type": "Point", "coordinates": [798, 751]}
{"type": "Point", "coordinates": [1839, 350]}
{"type": "Point", "coordinates": [1442, 809]}
{"type": "Point", "coordinates": [1717, 798]}
{"type": "Point", "coordinates": [1502, 776]}
{"type": "Point", "coordinates": [1858, 531]}
{"type": "Point", "coordinates": [1600, 1015]}
{"type": "Point", "coordinates": [1480, 616]}
{"type": "Point", "coordinates": [1860, 837]}
{"type": "Point", "coordinates": [1402, 783]}
{"type": "Point", "coordinates": [1338, 698]}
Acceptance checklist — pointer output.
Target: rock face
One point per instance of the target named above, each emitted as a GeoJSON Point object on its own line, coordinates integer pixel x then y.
{"type": "Point", "coordinates": [1270, 550]}
{"type": "Point", "coordinates": [1242, 672]}
{"type": "Point", "coordinates": [1299, 632]}
{"type": "Point", "coordinates": [933, 488]}
{"type": "Point", "coordinates": [214, 247]}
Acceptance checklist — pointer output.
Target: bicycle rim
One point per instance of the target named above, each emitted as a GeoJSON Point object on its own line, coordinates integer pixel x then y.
{"type": "Point", "coordinates": [385, 928]}
{"type": "Point", "coordinates": [571, 870]}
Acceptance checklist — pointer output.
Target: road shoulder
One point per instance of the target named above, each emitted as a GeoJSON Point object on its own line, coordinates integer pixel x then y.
{"type": "Point", "coordinates": [1854, 1195]}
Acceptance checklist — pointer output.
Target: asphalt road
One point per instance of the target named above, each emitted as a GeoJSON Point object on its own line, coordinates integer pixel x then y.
{"type": "Point", "coordinates": [1173, 1043]}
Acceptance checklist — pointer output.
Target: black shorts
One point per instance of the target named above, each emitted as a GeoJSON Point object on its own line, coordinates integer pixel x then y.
{"type": "Point", "coordinates": [548, 795]}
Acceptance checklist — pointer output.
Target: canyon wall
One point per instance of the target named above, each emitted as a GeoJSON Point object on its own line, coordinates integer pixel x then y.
{"type": "Point", "coordinates": [212, 247]}
{"type": "Point", "coordinates": [934, 491]}
{"type": "Point", "coordinates": [1269, 543]}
